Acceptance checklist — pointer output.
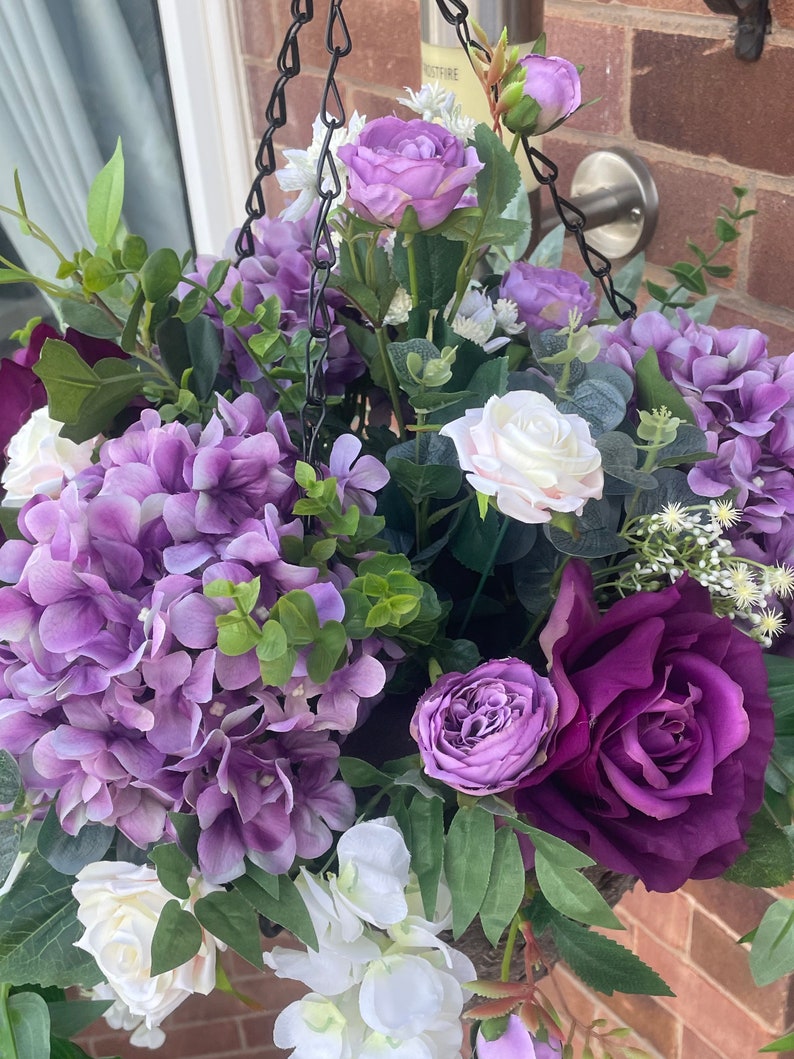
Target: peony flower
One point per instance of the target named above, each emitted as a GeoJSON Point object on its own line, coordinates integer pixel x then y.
{"type": "Point", "coordinates": [395, 164]}
{"type": "Point", "coordinates": [551, 93]}
{"type": "Point", "coordinates": [664, 732]}
{"type": "Point", "coordinates": [119, 904]}
{"type": "Point", "coordinates": [534, 459]}
{"type": "Point", "coordinates": [546, 296]}
{"type": "Point", "coordinates": [39, 459]}
{"type": "Point", "coordinates": [482, 732]}
{"type": "Point", "coordinates": [516, 1043]}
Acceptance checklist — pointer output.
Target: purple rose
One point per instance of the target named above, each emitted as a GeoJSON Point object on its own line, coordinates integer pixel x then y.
{"type": "Point", "coordinates": [551, 93]}
{"type": "Point", "coordinates": [545, 296]}
{"type": "Point", "coordinates": [481, 732]}
{"type": "Point", "coordinates": [394, 164]}
{"type": "Point", "coordinates": [516, 1043]}
{"type": "Point", "coordinates": [664, 732]}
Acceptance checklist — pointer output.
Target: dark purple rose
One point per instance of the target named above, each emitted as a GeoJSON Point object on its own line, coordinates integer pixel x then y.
{"type": "Point", "coordinates": [481, 732]}
{"type": "Point", "coordinates": [664, 732]}
{"type": "Point", "coordinates": [394, 164]}
{"type": "Point", "coordinates": [545, 296]}
{"type": "Point", "coordinates": [551, 92]}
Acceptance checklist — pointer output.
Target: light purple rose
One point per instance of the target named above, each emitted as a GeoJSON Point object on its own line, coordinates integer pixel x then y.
{"type": "Point", "coordinates": [552, 91]}
{"type": "Point", "coordinates": [481, 732]}
{"type": "Point", "coordinates": [664, 732]}
{"type": "Point", "coordinates": [394, 164]}
{"type": "Point", "coordinates": [516, 1043]}
{"type": "Point", "coordinates": [545, 296]}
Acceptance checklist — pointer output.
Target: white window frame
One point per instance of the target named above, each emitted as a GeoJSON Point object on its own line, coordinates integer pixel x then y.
{"type": "Point", "coordinates": [205, 68]}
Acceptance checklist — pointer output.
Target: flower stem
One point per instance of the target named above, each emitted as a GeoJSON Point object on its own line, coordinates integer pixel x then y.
{"type": "Point", "coordinates": [515, 143]}
{"type": "Point", "coordinates": [8, 1046]}
{"type": "Point", "coordinates": [413, 274]}
{"type": "Point", "coordinates": [487, 571]}
{"type": "Point", "coordinates": [509, 947]}
{"type": "Point", "coordinates": [391, 381]}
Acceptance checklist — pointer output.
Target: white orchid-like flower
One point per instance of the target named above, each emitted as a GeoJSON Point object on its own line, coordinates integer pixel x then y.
{"type": "Point", "coordinates": [478, 317]}
{"type": "Point", "coordinates": [435, 103]}
{"type": "Point", "coordinates": [300, 172]}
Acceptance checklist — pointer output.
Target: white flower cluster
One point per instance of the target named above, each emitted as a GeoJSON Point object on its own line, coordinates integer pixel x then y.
{"type": "Point", "coordinates": [384, 985]}
{"type": "Point", "coordinates": [300, 172]}
{"type": "Point", "coordinates": [478, 317]}
{"type": "Point", "coordinates": [438, 104]}
{"type": "Point", "coordinates": [681, 539]}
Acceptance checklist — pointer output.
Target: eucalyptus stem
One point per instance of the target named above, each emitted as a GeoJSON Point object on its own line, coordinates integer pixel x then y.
{"type": "Point", "coordinates": [8, 1046]}
{"type": "Point", "coordinates": [391, 381]}
{"type": "Point", "coordinates": [36, 231]}
{"type": "Point", "coordinates": [487, 571]}
{"type": "Point", "coordinates": [509, 948]}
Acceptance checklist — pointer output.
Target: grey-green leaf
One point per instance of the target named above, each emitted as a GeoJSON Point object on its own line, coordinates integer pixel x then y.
{"type": "Point", "coordinates": [772, 953]}
{"type": "Point", "coordinates": [30, 1025]}
{"type": "Point", "coordinates": [10, 779]}
{"type": "Point", "coordinates": [69, 853]}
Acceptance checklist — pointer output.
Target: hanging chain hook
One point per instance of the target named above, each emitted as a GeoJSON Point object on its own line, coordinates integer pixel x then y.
{"type": "Point", "coordinates": [456, 13]}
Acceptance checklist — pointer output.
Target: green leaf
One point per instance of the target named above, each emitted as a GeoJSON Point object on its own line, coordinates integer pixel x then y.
{"type": "Point", "coordinates": [772, 952]}
{"type": "Point", "coordinates": [689, 277]}
{"type": "Point", "coordinates": [70, 1017]}
{"type": "Point", "coordinates": [769, 860]}
{"type": "Point", "coordinates": [192, 304]}
{"type": "Point", "coordinates": [10, 779]}
{"type": "Point", "coordinates": [288, 909]}
{"type": "Point", "coordinates": [782, 1044]}
{"type": "Point", "coordinates": [329, 645]}
{"type": "Point", "coordinates": [437, 262]}
{"type": "Point", "coordinates": [30, 1025]}
{"type": "Point", "coordinates": [567, 890]}
{"type": "Point", "coordinates": [88, 318]}
{"type": "Point", "coordinates": [129, 336]}
{"type": "Point", "coordinates": [468, 854]}
{"type": "Point", "coordinates": [506, 886]}
{"type": "Point", "coordinates": [160, 274]}
{"type": "Point", "coordinates": [134, 252]}
{"type": "Point", "coordinates": [10, 842]}
{"type": "Point", "coordinates": [357, 773]}
{"type": "Point", "coordinates": [497, 182]}
{"type": "Point", "coordinates": [725, 231]}
{"type": "Point", "coordinates": [271, 884]}
{"type": "Point", "coordinates": [173, 868]}
{"type": "Point", "coordinates": [781, 690]}
{"type": "Point", "coordinates": [602, 963]}
{"type": "Point", "coordinates": [38, 929]}
{"type": "Point", "coordinates": [98, 275]}
{"type": "Point", "coordinates": [69, 853]}
{"type": "Point", "coordinates": [193, 344]}
{"type": "Point", "coordinates": [554, 849]}
{"type": "Point", "coordinates": [67, 377]}
{"type": "Point", "coordinates": [61, 1049]}
{"type": "Point", "coordinates": [548, 252]}
{"type": "Point", "coordinates": [176, 939]}
{"type": "Point", "coordinates": [106, 198]}
{"type": "Point", "coordinates": [187, 830]}
{"type": "Point", "coordinates": [228, 916]}
{"type": "Point", "coordinates": [217, 275]}
{"type": "Point", "coordinates": [654, 391]}
{"type": "Point", "coordinates": [426, 480]}
{"type": "Point", "coordinates": [426, 817]}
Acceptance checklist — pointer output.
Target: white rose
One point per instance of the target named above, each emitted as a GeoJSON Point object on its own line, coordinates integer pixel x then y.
{"type": "Point", "coordinates": [533, 458]}
{"type": "Point", "coordinates": [119, 904]}
{"type": "Point", "coordinates": [39, 459]}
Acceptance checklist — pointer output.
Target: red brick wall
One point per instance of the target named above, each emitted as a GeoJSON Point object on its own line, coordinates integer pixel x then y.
{"type": "Point", "coordinates": [703, 121]}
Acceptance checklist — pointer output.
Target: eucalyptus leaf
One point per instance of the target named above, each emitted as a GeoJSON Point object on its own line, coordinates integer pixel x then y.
{"type": "Point", "coordinates": [10, 843]}
{"type": "Point", "coordinates": [69, 853]}
{"type": "Point", "coordinates": [10, 779]}
{"type": "Point", "coordinates": [88, 318]}
{"type": "Point", "coordinates": [772, 952]}
{"type": "Point", "coordinates": [30, 1025]}
{"type": "Point", "coordinates": [548, 252]}
{"type": "Point", "coordinates": [160, 274]}
{"type": "Point", "coordinates": [598, 402]}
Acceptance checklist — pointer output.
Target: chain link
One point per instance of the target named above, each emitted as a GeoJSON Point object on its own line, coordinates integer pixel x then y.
{"type": "Point", "coordinates": [323, 257]}
{"type": "Point", "coordinates": [456, 13]}
{"type": "Point", "coordinates": [288, 65]}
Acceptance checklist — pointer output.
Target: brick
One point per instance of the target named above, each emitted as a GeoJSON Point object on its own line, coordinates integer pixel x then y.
{"type": "Point", "coordinates": [649, 1020]}
{"type": "Point", "coordinates": [772, 251]}
{"type": "Point", "coordinates": [257, 29]}
{"type": "Point", "coordinates": [602, 51]}
{"type": "Point", "coordinates": [692, 94]}
{"type": "Point", "coordinates": [667, 915]}
{"type": "Point", "coordinates": [694, 1047]}
{"type": "Point", "coordinates": [385, 38]}
{"type": "Point", "coordinates": [738, 906]}
{"type": "Point", "coordinates": [377, 104]}
{"type": "Point", "coordinates": [726, 962]}
{"type": "Point", "coordinates": [780, 337]}
{"type": "Point", "coordinates": [727, 1028]}
{"type": "Point", "coordinates": [783, 15]}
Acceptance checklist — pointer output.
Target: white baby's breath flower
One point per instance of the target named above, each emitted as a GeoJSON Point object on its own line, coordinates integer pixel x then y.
{"type": "Point", "coordinates": [400, 307]}
{"type": "Point", "coordinates": [724, 513]}
{"type": "Point", "coordinates": [781, 580]}
{"type": "Point", "coordinates": [744, 588]}
{"type": "Point", "coordinates": [770, 623]}
{"type": "Point", "coordinates": [300, 172]}
{"type": "Point", "coordinates": [673, 517]}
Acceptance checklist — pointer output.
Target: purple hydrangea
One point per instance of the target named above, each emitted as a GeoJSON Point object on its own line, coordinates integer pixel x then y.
{"type": "Point", "coordinates": [115, 695]}
{"type": "Point", "coordinates": [280, 265]}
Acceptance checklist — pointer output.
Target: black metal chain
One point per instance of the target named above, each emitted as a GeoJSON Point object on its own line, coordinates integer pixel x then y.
{"type": "Point", "coordinates": [288, 65]}
{"type": "Point", "coordinates": [456, 13]}
{"type": "Point", "coordinates": [329, 188]}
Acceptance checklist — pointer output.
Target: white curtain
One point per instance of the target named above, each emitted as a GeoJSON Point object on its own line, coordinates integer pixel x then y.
{"type": "Point", "coordinates": [75, 75]}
